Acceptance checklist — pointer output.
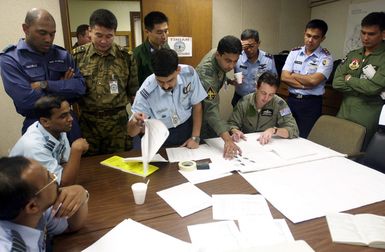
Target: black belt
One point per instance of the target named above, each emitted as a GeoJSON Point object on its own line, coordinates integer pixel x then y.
{"type": "Point", "coordinates": [301, 96]}
{"type": "Point", "coordinates": [105, 112]}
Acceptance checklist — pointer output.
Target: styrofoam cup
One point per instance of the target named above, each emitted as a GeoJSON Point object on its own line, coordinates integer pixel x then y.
{"type": "Point", "coordinates": [238, 77]}
{"type": "Point", "coordinates": [139, 190]}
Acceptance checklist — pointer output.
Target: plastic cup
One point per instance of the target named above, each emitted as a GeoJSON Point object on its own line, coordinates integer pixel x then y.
{"type": "Point", "coordinates": [139, 190]}
{"type": "Point", "coordinates": [238, 77]}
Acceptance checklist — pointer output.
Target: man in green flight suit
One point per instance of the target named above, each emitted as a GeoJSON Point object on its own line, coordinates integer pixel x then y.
{"type": "Point", "coordinates": [212, 72]}
{"type": "Point", "coordinates": [361, 76]}
{"type": "Point", "coordinates": [156, 28]}
{"type": "Point", "coordinates": [263, 111]}
{"type": "Point", "coordinates": [110, 73]}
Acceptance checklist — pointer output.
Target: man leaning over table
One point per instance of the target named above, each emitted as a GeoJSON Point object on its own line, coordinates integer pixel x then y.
{"type": "Point", "coordinates": [34, 208]}
{"type": "Point", "coordinates": [263, 111]}
{"type": "Point", "coordinates": [46, 142]}
{"type": "Point", "coordinates": [173, 95]}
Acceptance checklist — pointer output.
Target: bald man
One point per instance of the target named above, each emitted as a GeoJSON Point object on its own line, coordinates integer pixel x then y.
{"type": "Point", "coordinates": [36, 67]}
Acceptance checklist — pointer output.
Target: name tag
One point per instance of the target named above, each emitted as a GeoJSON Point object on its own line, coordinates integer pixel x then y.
{"type": "Point", "coordinates": [298, 62]}
{"type": "Point", "coordinates": [267, 112]}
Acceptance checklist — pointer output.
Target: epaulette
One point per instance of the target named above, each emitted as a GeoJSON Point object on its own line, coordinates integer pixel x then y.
{"type": "Point", "coordinates": [78, 49]}
{"type": "Point", "coordinates": [187, 70]}
{"type": "Point", "coordinates": [326, 51]}
{"type": "Point", "coordinates": [268, 55]}
{"type": "Point", "coordinates": [9, 48]}
{"type": "Point", "coordinates": [296, 48]}
{"type": "Point", "coordinates": [125, 49]}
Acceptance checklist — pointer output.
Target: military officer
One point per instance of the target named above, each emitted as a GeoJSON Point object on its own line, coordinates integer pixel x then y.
{"type": "Point", "coordinates": [110, 73]}
{"type": "Point", "coordinates": [305, 72]}
{"type": "Point", "coordinates": [212, 72]}
{"type": "Point", "coordinates": [361, 76]}
{"type": "Point", "coordinates": [173, 95]}
{"type": "Point", "coordinates": [263, 111]}
{"type": "Point", "coordinates": [252, 63]}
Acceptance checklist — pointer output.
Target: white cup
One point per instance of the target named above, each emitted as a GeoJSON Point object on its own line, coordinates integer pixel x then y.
{"type": "Point", "coordinates": [139, 190]}
{"type": "Point", "coordinates": [238, 77]}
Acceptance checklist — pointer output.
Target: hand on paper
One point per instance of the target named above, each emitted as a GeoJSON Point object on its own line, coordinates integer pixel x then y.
{"type": "Point", "coordinates": [265, 137]}
{"type": "Point", "coordinates": [191, 144]}
{"type": "Point", "coordinates": [237, 135]}
{"type": "Point", "coordinates": [231, 150]}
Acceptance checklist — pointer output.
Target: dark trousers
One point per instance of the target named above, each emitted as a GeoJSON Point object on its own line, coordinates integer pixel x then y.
{"type": "Point", "coordinates": [306, 111]}
{"type": "Point", "coordinates": [180, 134]}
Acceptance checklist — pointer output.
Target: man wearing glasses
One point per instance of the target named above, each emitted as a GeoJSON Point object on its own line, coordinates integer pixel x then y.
{"type": "Point", "coordinates": [33, 207]}
{"type": "Point", "coordinates": [46, 142]}
{"type": "Point", "coordinates": [253, 62]}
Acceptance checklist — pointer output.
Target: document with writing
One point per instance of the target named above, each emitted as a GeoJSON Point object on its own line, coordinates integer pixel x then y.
{"type": "Point", "coordinates": [215, 171]}
{"type": "Point", "coordinates": [185, 198]}
{"type": "Point", "coordinates": [204, 151]}
{"type": "Point", "coordinates": [359, 229]}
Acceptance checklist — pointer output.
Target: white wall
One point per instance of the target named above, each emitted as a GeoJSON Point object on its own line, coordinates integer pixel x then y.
{"type": "Point", "coordinates": [10, 23]}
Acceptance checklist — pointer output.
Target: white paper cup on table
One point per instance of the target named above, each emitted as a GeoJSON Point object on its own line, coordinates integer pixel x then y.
{"type": "Point", "coordinates": [238, 77]}
{"type": "Point", "coordinates": [139, 190]}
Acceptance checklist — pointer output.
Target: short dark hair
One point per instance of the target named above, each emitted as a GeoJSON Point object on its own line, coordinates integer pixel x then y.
{"type": "Point", "coordinates": [229, 44]}
{"type": "Point", "coordinates": [81, 30]}
{"type": "Point", "coordinates": [15, 192]}
{"type": "Point", "coordinates": [374, 18]}
{"type": "Point", "coordinates": [250, 34]}
{"type": "Point", "coordinates": [268, 78]}
{"type": "Point", "coordinates": [153, 18]}
{"type": "Point", "coordinates": [43, 107]}
{"type": "Point", "coordinates": [318, 24]}
{"type": "Point", "coordinates": [164, 62]}
{"type": "Point", "coordinates": [104, 18]}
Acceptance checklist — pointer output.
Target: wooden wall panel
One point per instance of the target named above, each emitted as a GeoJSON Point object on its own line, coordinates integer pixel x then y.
{"type": "Point", "coordinates": [189, 18]}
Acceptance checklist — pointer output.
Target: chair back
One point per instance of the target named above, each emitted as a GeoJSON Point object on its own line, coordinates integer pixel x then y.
{"type": "Point", "coordinates": [338, 134]}
{"type": "Point", "coordinates": [375, 152]}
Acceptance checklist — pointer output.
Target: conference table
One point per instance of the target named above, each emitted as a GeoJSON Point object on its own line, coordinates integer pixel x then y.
{"type": "Point", "coordinates": [111, 201]}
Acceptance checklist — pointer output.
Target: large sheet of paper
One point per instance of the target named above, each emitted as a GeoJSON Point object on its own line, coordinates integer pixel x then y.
{"type": "Point", "coordinates": [215, 171]}
{"type": "Point", "coordinates": [185, 198]}
{"type": "Point", "coordinates": [130, 235]}
{"type": "Point", "coordinates": [295, 246]}
{"type": "Point", "coordinates": [236, 206]}
{"type": "Point", "coordinates": [309, 190]}
{"type": "Point", "coordinates": [204, 151]}
{"type": "Point", "coordinates": [278, 153]}
{"type": "Point", "coordinates": [156, 158]}
{"type": "Point", "coordinates": [155, 133]}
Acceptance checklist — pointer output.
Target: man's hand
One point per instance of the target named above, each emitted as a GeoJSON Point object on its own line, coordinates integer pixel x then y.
{"type": "Point", "coordinates": [265, 137]}
{"type": "Point", "coordinates": [80, 145]}
{"type": "Point", "coordinates": [231, 150]}
{"type": "Point", "coordinates": [237, 135]}
{"type": "Point", "coordinates": [68, 74]}
{"type": "Point", "coordinates": [69, 200]}
{"type": "Point", "coordinates": [191, 144]}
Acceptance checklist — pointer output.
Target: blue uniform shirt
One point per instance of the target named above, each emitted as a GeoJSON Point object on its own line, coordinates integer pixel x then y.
{"type": "Point", "coordinates": [320, 61]}
{"type": "Point", "coordinates": [20, 65]}
{"type": "Point", "coordinates": [34, 238]}
{"type": "Point", "coordinates": [252, 71]}
{"type": "Point", "coordinates": [172, 108]}
{"type": "Point", "coordinates": [37, 143]}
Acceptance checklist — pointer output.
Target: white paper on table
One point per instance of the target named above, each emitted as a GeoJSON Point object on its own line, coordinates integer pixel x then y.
{"type": "Point", "coordinates": [236, 206]}
{"type": "Point", "coordinates": [133, 236]}
{"type": "Point", "coordinates": [294, 246]}
{"type": "Point", "coordinates": [155, 134]}
{"type": "Point", "coordinates": [199, 176]}
{"type": "Point", "coordinates": [156, 158]}
{"type": "Point", "coordinates": [264, 231]}
{"type": "Point", "coordinates": [185, 198]}
{"type": "Point", "coordinates": [204, 151]}
{"type": "Point", "coordinates": [216, 236]}
{"type": "Point", "coordinates": [310, 190]}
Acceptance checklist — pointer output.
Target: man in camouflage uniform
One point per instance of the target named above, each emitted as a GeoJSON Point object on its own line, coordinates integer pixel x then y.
{"type": "Point", "coordinates": [110, 73]}
{"type": "Point", "coordinates": [263, 111]}
{"type": "Point", "coordinates": [212, 73]}
{"type": "Point", "coordinates": [361, 76]}
{"type": "Point", "coordinates": [156, 29]}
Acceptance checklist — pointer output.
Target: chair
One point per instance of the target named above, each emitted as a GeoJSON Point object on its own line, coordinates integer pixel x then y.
{"type": "Point", "coordinates": [338, 134]}
{"type": "Point", "coordinates": [374, 156]}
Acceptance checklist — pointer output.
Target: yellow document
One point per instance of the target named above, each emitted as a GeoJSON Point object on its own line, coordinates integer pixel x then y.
{"type": "Point", "coordinates": [135, 168]}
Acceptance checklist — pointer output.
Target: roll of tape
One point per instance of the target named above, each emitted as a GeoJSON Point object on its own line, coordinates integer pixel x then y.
{"type": "Point", "coordinates": [187, 165]}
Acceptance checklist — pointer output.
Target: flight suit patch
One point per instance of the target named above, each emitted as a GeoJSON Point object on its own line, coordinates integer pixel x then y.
{"type": "Point", "coordinates": [267, 112]}
{"type": "Point", "coordinates": [285, 111]}
{"type": "Point", "coordinates": [187, 88]}
{"type": "Point", "coordinates": [355, 64]}
{"type": "Point", "coordinates": [211, 94]}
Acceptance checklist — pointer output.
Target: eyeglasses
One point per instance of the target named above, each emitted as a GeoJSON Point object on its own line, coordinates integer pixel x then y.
{"type": "Point", "coordinates": [54, 179]}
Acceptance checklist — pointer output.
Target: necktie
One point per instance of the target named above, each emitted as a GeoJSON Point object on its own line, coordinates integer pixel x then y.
{"type": "Point", "coordinates": [18, 244]}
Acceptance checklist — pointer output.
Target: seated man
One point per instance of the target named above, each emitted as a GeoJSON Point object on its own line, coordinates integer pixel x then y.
{"type": "Point", "coordinates": [46, 140]}
{"type": "Point", "coordinates": [34, 207]}
{"type": "Point", "coordinates": [173, 95]}
{"type": "Point", "coordinates": [263, 111]}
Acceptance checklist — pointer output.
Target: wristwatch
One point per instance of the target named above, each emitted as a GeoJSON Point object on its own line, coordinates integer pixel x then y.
{"type": "Point", "coordinates": [197, 139]}
{"type": "Point", "coordinates": [275, 130]}
{"type": "Point", "coordinates": [43, 84]}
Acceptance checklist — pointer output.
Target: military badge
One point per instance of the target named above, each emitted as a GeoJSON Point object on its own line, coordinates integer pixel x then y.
{"type": "Point", "coordinates": [187, 88]}
{"type": "Point", "coordinates": [325, 62]}
{"type": "Point", "coordinates": [211, 94]}
{"type": "Point", "coordinates": [355, 64]}
{"type": "Point", "coordinates": [267, 112]}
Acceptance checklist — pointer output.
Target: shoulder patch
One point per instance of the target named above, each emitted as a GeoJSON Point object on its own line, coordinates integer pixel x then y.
{"type": "Point", "coordinates": [285, 111]}
{"type": "Point", "coordinates": [211, 94]}
{"type": "Point", "coordinates": [268, 55]}
{"type": "Point", "coordinates": [326, 51]}
{"type": "Point", "coordinates": [281, 102]}
{"type": "Point", "coordinates": [78, 49]}
{"type": "Point", "coordinates": [296, 48]}
{"type": "Point", "coordinates": [9, 48]}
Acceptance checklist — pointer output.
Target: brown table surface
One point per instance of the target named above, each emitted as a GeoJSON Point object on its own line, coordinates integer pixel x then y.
{"type": "Point", "coordinates": [111, 201]}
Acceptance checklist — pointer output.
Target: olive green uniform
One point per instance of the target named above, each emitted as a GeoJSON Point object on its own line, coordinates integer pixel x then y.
{"type": "Point", "coordinates": [361, 101]}
{"type": "Point", "coordinates": [142, 55]}
{"type": "Point", "coordinates": [111, 82]}
{"type": "Point", "coordinates": [276, 113]}
{"type": "Point", "coordinates": [212, 78]}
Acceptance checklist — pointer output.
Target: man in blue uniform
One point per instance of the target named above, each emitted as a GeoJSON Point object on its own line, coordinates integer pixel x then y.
{"type": "Point", "coordinates": [173, 95]}
{"type": "Point", "coordinates": [35, 67]}
{"type": "Point", "coordinates": [253, 62]}
{"type": "Point", "coordinates": [305, 72]}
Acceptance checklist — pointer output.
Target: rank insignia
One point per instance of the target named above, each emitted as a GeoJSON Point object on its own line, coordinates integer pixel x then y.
{"type": "Point", "coordinates": [355, 64]}
{"type": "Point", "coordinates": [187, 88]}
{"type": "Point", "coordinates": [211, 94]}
